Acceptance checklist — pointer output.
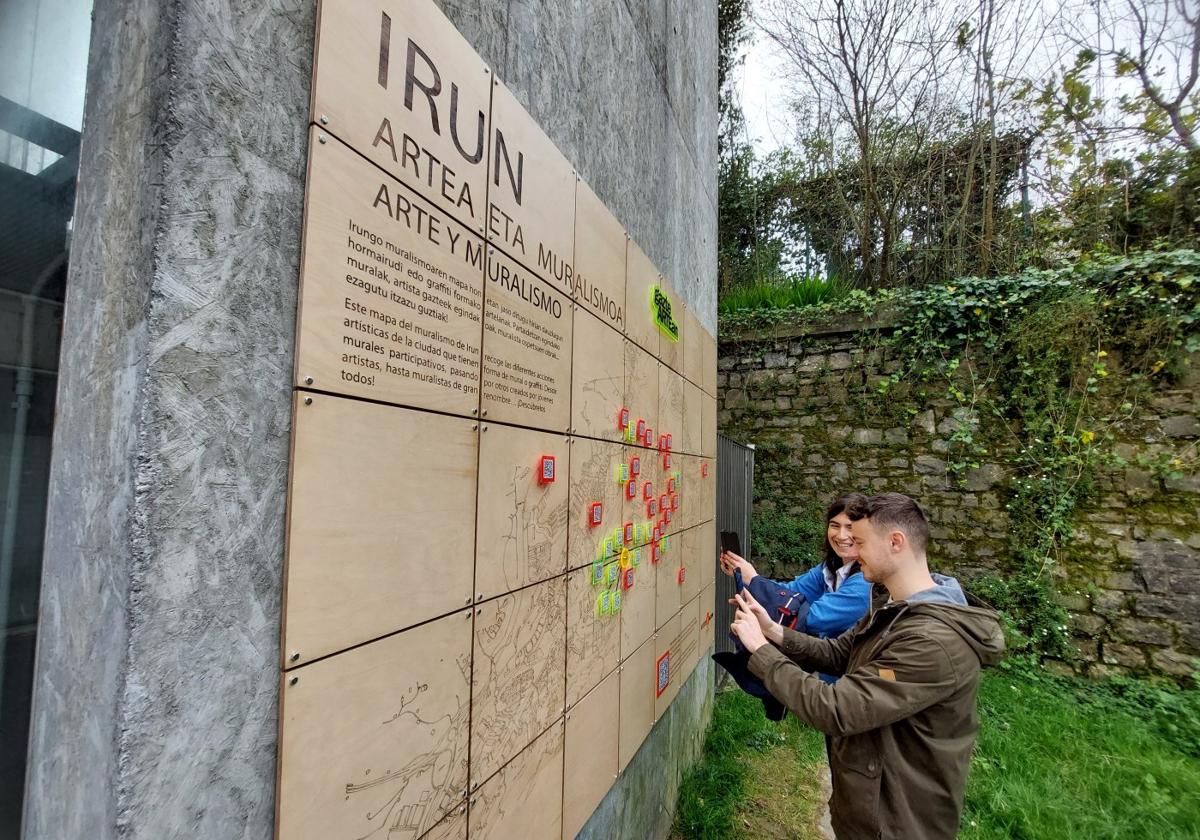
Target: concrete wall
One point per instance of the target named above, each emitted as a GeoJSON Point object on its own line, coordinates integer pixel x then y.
{"type": "Point", "coordinates": [156, 692]}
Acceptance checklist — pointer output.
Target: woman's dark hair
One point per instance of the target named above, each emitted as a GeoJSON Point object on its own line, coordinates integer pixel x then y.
{"type": "Point", "coordinates": [851, 502]}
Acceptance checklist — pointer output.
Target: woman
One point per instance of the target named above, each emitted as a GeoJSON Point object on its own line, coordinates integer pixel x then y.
{"type": "Point", "coordinates": [836, 593]}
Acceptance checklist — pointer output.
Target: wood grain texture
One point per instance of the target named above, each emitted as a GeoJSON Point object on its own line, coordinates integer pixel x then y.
{"type": "Point", "coordinates": [590, 754]}
{"type": "Point", "coordinates": [637, 700]}
{"type": "Point", "coordinates": [518, 676]}
{"type": "Point", "coordinates": [599, 259]}
{"type": "Point", "coordinates": [521, 530]}
{"type": "Point", "coordinates": [379, 495]}
{"type": "Point", "coordinates": [523, 801]}
{"type": "Point", "coordinates": [377, 735]}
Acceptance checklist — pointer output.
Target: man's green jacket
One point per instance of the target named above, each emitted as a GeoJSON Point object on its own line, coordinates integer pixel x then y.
{"type": "Point", "coordinates": [902, 717]}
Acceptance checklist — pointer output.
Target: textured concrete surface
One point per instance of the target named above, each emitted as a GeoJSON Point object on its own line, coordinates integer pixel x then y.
{"type": "Point", "coordinates": [159, 642]}
{"type": "Point", "coordinates": [163, 570]}
{"type": "Point", "coordinates": [627, 91]}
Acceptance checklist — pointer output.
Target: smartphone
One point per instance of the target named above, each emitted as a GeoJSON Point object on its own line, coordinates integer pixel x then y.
{"type": "Point", "coordinates": [731, 542]}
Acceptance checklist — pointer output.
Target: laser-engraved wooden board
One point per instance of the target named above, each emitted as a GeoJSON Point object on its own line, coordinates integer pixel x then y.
{"type": "Point", "coordinates": [522, 520]}
{"type": "Point", "coordinates": [599, 259]}
{"type": "Point", "coordinates": [637, 700]}
{"type": "Point", "coordinates": [379, 497]}
{"type": "Point", "coordinates": [377, 735]}
{"type": "Point", "coordinates": [590, 763]}
{"type": "Point", "coordinates": [518, 677]}
{"type": "Point", "coordinates": [391, 290]}
{"type": "Point", "coordinates": [597, 379]}
{"type": "Point", "coordinates": [524, 799]}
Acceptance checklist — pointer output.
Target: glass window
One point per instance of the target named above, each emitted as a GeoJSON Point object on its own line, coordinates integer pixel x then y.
{"type": "Point", "coordinates": [43, 64]}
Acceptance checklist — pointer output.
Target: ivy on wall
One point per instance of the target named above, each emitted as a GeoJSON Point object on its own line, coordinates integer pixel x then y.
{"type": "Point", "coordinates": [1048, 371]}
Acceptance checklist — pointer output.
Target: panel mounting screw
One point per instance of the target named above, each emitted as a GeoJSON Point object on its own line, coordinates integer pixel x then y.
{"type": "Point", "coordinates": [468, 600]}
{"type": "Point", "coordinates": [295, 656]}
{"type": "Point", "coordinates": [478, 596]}
{"type": "Point", "coordinates": [324, 120]}
{"type": "Point", "coordinates": [478, 612]}
{"type": "Point", "coordinates": [484, 413]}
{"type": "Point", "coordinates": [308, 400]}
{"type": "Point", "coordinates": [467, 614]}
{"type": "Point", "coordinates": [321, 138]}
{"type": "Point", "coordinates": [308, 380]}
{"type": "Point", "coordinates": [474, 427]}
{"type": "Point", "coordinates": [474, 411]}
{"type": "Point", "coordinates": [293, 680]}
{"type": "Point", "coordinates": [462, 809]}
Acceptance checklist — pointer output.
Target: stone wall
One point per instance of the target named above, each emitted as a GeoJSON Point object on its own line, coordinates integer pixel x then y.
{"type": "Point", "coordinates": [810, 401]}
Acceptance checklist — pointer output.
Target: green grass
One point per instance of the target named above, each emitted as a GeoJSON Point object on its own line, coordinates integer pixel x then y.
{"type": "Point", "coordinates": [755, 778]}
{"type": "Point", "coordinates": [1060, 758]}
{"type": "Point", "coordinates": [1056, 758]}
{"type": "Point", "coordinates": [782, 294]}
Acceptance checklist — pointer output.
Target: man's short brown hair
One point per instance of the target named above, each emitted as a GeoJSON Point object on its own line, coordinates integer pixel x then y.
{"type": "Point", "coordinates": [895, 512]}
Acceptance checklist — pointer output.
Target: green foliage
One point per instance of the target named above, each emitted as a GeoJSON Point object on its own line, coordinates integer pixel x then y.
{"type": "Point", "coordinates": [1046, 369]}
{"type": "Point", "coordinates": [1060, 757]}
{"type": "Point", "coordinates": [782, 294]}
{"type": "Point", "coordinates": [787, 545]}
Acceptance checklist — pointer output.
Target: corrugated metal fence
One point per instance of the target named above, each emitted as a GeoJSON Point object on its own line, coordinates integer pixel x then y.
{"type": "Point", "coordinates": [735, 495]}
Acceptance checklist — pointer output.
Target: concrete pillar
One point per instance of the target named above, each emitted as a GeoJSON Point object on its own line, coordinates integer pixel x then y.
{"type": "Point", "coordinates": [155, 697]}
{"type": "Point", "coordinates": [156, 687]}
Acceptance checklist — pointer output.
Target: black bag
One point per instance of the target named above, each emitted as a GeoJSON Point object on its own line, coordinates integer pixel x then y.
{"type": "Point", "coordinates": [787, 608]}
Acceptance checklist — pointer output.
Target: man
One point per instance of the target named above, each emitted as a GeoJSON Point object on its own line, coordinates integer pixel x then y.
{"type": "Point", "coordinates": [902, 718]}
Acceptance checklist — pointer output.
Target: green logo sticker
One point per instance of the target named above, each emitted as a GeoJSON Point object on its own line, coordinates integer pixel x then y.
{"type": "Point", "coordinates": [660, 310]}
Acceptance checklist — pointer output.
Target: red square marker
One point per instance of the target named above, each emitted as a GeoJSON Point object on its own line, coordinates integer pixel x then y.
{"type": "Point", "coordinates": [664, 501]}
{"type": "Point", "coordinates": [671, 484]}
{"type": "Point", "coordinates": [666, 460]}
{"type": "Point", "coordinates": [657, 535]}
{"type": "Point", "coordinates": [670, 441]}
{"type": "Point", "coordinates": [704, 470]}
{"type": "Point", "coordinates": [682, 575]}
{"type": "Point", "coordinates": [631, 489]}
{"type": "Point", "coordinates": [623, 419]}
{"type": "Point", "coordinates": [653, 553]}
{"type": "Point", "coordinates": [596, 514]}
{"type": "Point", "coordinates": [648, 438]}
{"type": "Point", "coordinates": [674, 503]}
{"type": "Point", "coordinates": [667, 515]}
{"type": "Point", "coordinates": [635, 467]}
{"type": "Point", "coordinates": [651, 509]}
{"type": "Point", "coordinates": [662, 442]}
{"type": "Point", "coordinates": [627, 579]}
{"type": "Point", "coordinates": [647, 490]}
{"type": "Point", "coordinates": [546, 470]}
{"type": "Point", "coordinates": [641, 429]}
{"type": "Point", "coordinates": [662, 672]}
{"type": "Point", "coordinates": [628, 532]}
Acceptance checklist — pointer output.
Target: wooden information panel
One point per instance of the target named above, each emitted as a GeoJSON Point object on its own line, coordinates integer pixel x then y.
{"type": "Point", "coordinates": [597, 379]}
{"type": "Point", "coordinates": [391, 290]}
{"type": "Point", "coordinates": [524, 799]}
{"type": "Point", "coordinates": [395, 80]}
{"type": "Point", "coordinates": [531, 198]}
{"type": "Point", "coordinates": [599, 259]}
{"type": "Point", "coordinates": [377, 735]}
{"type": "Point", "coordinates": [526, 348]}
{"type": "Point", "coordinates": [638, 675]}
{"type": "Point", "coordinates": [499, 414]}
{"type": "Point", "coordinates": [521, 531]}
{"type": "Point", "coordinates": [593, 632]}
{"type": "Point", "coordinates": [518, 673]}
{"type": "Point", "coordinates": [590, 760]}
{"type": "Point", "coordinates": [365, 524]}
